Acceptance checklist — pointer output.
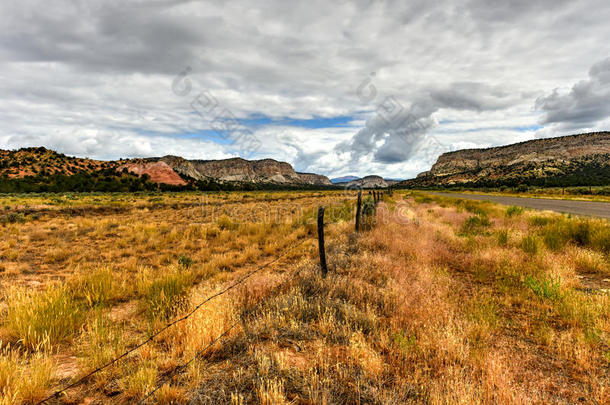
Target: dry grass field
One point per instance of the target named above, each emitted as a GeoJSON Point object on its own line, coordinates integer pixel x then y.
{"type": "Point", "coordinates": [440, 301]}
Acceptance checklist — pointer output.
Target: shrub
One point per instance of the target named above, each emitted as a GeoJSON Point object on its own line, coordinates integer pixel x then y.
{"type": "Point", "coordinates": [185, 261]}
{"type": "Point", "coordinates": [546, 288]}
{"type": "Point", "coordinates": [513, 211]}
{"type": "Point", "coordinates": [12, 218]}
{"type": "Point", "coordinates": [38, 317]}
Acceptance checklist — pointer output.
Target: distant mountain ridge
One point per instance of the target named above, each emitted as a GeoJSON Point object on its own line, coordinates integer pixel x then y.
{"type": "Point", "coordinates": [168, 170]}
{"type": "Point", "coordinates": [371, 181]}
{"type": "Point", "coordinates": [582, 159]}
{"type": "Point", "coordinates": [344, 179]}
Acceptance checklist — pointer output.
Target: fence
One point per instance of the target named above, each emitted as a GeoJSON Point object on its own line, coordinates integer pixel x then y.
{"type": "Point", "coordinates": [360, 213]}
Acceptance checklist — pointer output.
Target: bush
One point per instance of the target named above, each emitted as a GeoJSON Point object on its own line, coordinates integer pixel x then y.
{"type": "Point", "coordinates": [12, 218]}
{"type": "Point", "coordinates": [475, 224]}
{"type": "Point", "coordinates": [185, 261]}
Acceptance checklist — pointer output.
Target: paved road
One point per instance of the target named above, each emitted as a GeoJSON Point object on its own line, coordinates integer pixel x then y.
{"type": "Point", "coordinates": [590, 208]}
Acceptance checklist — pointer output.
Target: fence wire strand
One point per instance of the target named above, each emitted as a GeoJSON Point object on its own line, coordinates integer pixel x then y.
{"type": "Point", "coordinates": [178, 369]}
{"type": "Point", "coordinates": [169, 325]}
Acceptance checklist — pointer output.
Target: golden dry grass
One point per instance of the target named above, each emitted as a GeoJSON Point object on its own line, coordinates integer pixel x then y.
{"type": "Point", "coordinates": [449, 302]}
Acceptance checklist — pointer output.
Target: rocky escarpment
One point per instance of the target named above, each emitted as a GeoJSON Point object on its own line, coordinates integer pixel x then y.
{"type": "Point", "coordinates": [569, 160]}
{"type": "Point", "coordinates": [367, 182]}
{"type": "Point", "coordinates": [244, 171]}
{"type": "Point", "coordinates": [314, 179]}
{"type": "Point", "coordinates": [158, 172]}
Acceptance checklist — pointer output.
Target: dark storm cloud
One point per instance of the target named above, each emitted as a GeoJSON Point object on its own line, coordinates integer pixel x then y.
{"type": "Point", "coordinates": [396, 136]}
{"type": "Point", "coordinates": [587, 103]}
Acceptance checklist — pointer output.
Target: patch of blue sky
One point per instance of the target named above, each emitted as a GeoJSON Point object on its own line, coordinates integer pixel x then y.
{"type": "Point", "coordinates": [527, 128]}
{"type": "Point", "coordinates": [259, 120]}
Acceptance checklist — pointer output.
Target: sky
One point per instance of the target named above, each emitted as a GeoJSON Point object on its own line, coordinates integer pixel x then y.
{"type": "Point", "coordinates": [336, 88]}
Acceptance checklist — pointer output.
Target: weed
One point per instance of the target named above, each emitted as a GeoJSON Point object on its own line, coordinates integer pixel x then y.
{"type": "Point", "coordinates": [185, 261]}
{"type": "Point", "coordinates": [546, 287]}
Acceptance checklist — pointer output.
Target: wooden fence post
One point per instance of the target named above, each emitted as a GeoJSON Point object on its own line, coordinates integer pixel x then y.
{"type": "Point", "coordinates": [321, 240]}
{"type": "Point", "coordinates": [358, 208]}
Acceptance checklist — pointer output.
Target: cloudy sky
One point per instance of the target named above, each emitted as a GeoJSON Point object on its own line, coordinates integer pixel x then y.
{"type": "Point", "coordinates": [354, 87]}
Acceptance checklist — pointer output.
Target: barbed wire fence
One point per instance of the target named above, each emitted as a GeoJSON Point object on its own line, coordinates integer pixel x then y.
{"type": "Point", "coordinates": [361, 211]}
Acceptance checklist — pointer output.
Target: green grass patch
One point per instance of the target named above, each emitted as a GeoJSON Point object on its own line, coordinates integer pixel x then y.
{"type": "Point", "coordinates": [475, 224]}
{"type": "Point", "coordinates": [530, 244]}
{"type": "Point", "coordinates": [514, 211]}
{"type": "Point", "coordinates": [545, 287]}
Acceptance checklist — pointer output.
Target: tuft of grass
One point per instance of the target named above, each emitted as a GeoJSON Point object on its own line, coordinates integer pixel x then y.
{"type": "Point", "coordinates": [37, 318]}
{"type": "Point", "coordinates": [101, 341]}
{"type": "Point", "coordinates": [225, 223]}
{"type": "Point", "coordinates": [553, 238]}
{"type": "Point", "coordinates": [514, 211]}
{"type": "Point", "coordinates": [141, 382]}
{"type": "Point", "coordinates": [475, 224]}
{"type": "Point", "coordinates": [167, 295]}
{"type": "Point", "coordinates": [23, 378]}
{"type": "Point", "coordinates": [539, 221]}
{"type": "Point", "coordinates": [546, 287]}
{"type": "Point", "coordinates": [98, 288]}
{"type": "Point", "coordinates": [530, 244]}
{"type": "Point", "coordinates": [503, 237]}
{"type": "Point", "coordinates": [405, 342]}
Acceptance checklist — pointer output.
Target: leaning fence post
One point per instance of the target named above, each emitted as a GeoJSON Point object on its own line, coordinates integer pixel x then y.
{"type": "Point", "coordinates": [358, 208]}
{"type": "Point", "coordinates": [321, 240]}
